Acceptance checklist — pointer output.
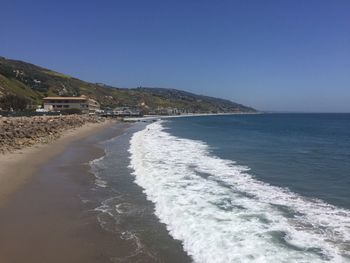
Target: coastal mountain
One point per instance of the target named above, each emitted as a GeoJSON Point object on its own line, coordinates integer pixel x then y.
{"type": "Point", "coordinates": [34, 83]}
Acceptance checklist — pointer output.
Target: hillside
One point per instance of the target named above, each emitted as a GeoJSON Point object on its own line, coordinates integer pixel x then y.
{"type": "Point", "coordinates": [34, 82]}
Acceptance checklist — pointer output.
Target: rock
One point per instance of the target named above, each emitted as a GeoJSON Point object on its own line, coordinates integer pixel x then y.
{"type": "Point", "coordinates": [19, 132]}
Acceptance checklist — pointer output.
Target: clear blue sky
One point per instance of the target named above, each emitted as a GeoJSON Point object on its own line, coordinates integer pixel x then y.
{"type": "Point", "coordinates": [272, 55]}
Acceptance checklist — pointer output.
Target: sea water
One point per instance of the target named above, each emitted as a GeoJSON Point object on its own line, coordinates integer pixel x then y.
{"type": "Point", "coordinates": [249, 188]}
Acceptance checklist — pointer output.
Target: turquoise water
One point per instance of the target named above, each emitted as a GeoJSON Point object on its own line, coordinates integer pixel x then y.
{"type": "Point", "coordinates": [308, 153]}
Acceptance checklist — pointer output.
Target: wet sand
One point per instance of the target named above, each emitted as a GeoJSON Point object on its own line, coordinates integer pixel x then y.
{"type": "Point", "coordinates": [42, 216]}
{"type": "Point", "coordinates": [18, 167]}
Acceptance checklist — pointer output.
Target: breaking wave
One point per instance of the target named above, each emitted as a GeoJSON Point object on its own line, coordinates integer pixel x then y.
{"type": "Point", "coordinates": [223, 214]}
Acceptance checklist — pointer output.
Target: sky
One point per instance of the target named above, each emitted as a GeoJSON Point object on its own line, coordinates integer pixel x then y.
{"type": "Point", "coordinates": [270, 54]}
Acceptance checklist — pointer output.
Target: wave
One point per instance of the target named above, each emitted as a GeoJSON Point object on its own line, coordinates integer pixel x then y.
{"type": "Point", "coordinates": [96, 168]}
{"type": "Point", "coordinates": [223, 214]}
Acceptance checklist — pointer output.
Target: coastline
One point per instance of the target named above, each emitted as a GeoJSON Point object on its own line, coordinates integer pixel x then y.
{"type": "Point", "coordinates": [37, 155]}
{"type": "Point", "coordinates": [138, 212]}
{"type": "Point", "coordinates": [58, 212]}
{"type": "Point", "coordinates": [43, 217]}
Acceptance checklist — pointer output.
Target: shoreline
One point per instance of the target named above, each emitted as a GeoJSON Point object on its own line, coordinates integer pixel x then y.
{"type": "Point", "coordinates": [57, 212]}
{"type": "Point", "coordinates": [13, 175]}
{"type": "Point", "coordinates": [43, 214]}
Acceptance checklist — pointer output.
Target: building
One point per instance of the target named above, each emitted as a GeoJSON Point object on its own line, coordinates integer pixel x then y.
{"type": "Point", "coordinates": [86, 105]}
{"type": "Point", "coordinates": [127, 112]}
{"type": "Point", "coordinates": [93, 106]}
{"type": "Point", "coordinates": [166, 111]}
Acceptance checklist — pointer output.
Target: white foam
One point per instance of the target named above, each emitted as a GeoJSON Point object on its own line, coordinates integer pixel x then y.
{"type": "Point", "coordinates": [222, 214]}
{"type": "Point", "coordinates": [95, 167]}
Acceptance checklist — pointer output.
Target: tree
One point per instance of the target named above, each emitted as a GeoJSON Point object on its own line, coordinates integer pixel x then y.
{"type": "Point", "coordinates": [13, 102]}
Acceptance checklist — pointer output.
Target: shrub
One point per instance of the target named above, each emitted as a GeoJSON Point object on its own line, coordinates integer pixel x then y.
{"type": "Point", "coordinates": [13, 102]}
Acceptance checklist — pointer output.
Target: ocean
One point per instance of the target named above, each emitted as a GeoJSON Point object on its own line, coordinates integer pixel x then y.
{"type": "Point", "coordinates": [233, 188]}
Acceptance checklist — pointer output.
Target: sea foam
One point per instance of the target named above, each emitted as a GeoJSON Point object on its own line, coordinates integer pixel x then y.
{"type": "Point", "coordinates": [95, 168]}
{"type": "Point", "coordinates": [223, 214]}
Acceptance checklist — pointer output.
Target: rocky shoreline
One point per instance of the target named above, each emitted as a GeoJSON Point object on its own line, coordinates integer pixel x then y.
{"type": "Point", "coordinates": [20, 132]}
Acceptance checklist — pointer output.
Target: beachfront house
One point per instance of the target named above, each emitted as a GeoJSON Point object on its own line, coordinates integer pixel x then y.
{"type": "Point", "coordinates": [127, 112]}
{"type": "Point", "coordinates": [85, 104]}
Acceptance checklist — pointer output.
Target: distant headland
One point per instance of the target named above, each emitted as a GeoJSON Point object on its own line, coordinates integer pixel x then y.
{"type": "Point", "coordinates": [34, 83]}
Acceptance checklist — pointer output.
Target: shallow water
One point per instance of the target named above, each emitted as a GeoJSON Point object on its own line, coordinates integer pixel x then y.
{"type": "Point", "coordinates": [125, 211]}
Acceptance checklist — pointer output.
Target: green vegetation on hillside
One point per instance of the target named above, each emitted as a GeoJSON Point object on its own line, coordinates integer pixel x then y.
{"type": "Point", "coordinates": [34, 83]}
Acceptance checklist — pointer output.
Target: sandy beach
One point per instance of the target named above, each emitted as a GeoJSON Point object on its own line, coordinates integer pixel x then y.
{"type": "Point", "coordinates": [19, 166]}
{"type": "Point", "coordinates": [42, 217]}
